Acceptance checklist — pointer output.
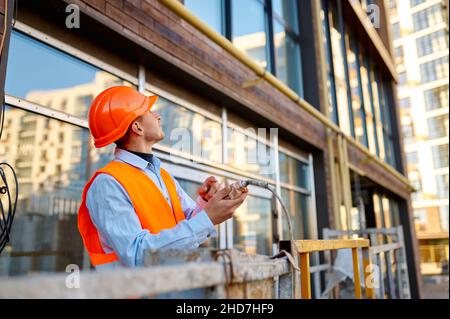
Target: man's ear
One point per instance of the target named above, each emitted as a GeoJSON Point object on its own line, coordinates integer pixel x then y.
{"type": "Point", "coordinates": [137, 128]}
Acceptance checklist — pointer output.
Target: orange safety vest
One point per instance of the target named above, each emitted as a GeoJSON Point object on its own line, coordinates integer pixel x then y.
{"type": "Point", "coordinates": [152, 209]}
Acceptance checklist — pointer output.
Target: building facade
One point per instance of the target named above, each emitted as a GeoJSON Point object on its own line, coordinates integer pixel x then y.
{"type": "Point", "coordinates": [420, 34]}
{"type": "Point", "coordinates": [219, 118]}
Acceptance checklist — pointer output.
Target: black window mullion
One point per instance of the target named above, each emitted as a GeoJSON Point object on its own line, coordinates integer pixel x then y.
{"type": "Point", "coordinates": [271, 37]}
{"type": "Point", "coordinates": [227, 19]}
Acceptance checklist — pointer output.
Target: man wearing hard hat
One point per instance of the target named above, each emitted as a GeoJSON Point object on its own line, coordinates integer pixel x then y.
{"type": "Point", "coordinates": [133, 204]}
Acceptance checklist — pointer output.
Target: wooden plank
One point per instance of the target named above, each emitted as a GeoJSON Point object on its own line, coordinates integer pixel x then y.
{"type": "Point", "coordinates": [305, 246]}
{"type": "Point", "coordinates": [305, 276]}
{"type": "Point", "coordinates": [357, 281]}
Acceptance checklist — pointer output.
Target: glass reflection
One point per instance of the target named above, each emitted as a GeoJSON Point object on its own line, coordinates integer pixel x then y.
{"type": "Point", "coordinates": [53, 161]}
{"type": "Point", "coordinates": [297, 205]}
{"type": "Point", "coordinates": [287, 11]}
{"type": "Point", "coordinates": [355, 90]}
{"type": "Point", "coordinates": [39, 73]}
{"type": "Point", "coordinates": [210, 11]}
{"type": "Point", "coordinates": [377, 115]}
{"type": "Point", "coordinates": [287, 56]}
{"type": "Point", "coordinates": [250, 155]}
{"type": "Point", "coordinates": [249, 29]}
{"type": "Point", "coordinates": [329, 65]}
{"type": "Point", "coordinates": [339, 70]}
{"type": "Point", "coordinates": [189, 132]}
{"type": "Point", "coordinates": [367, 104]}
{"type": "Point", "coordinates": [293, 172]}
{"type": "Point", "coordinates": [252, 226]}
{"type": "Point", "coordinates": [191, 189]}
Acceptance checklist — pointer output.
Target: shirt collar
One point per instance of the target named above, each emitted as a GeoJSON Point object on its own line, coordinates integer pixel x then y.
{"type": "Point", "coordinates": [132, 159]}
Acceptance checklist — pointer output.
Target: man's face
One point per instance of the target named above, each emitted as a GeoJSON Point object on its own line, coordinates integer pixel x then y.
{"type": "Point", "coordinates": [151, 126]}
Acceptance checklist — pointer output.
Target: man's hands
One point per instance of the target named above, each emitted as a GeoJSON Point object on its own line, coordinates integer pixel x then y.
{"type": "Point", "coordinates": [209, 187]}
{"type": "Point", "coordinates": [220, 209]}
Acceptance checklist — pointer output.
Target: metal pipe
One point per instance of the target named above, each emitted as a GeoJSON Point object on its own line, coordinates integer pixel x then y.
{"type": "Point", "coordinates": [181, 11]}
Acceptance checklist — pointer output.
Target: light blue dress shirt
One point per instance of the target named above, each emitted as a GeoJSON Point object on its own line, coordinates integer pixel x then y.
{"type": "Point", "coordinates": [120, 231]}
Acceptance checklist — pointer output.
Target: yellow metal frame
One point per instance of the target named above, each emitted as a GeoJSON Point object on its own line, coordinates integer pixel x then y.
{"type": "Point", "coordinates": [305, 247]}
{"type": "Point", "coordinates": [184, 13]}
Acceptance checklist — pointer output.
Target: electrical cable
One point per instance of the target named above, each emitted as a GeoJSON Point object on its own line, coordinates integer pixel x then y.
{"type": "Point", "coordinates": [288, 218]}
{"type": "Point", "coordinates": [7, 219]}
{"type": "Point", "coordinates": [7, 210]}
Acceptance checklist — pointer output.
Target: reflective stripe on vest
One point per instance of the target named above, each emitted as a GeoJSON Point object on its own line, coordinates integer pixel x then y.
{"type": "Point", "coordinates": [152, 209]}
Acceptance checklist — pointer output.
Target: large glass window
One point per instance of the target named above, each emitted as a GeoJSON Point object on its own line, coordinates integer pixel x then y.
{"type": "Point", "coordinates": [385, 115]}
{"type": "Point", "coordinates": [436, 98]}
{"type": "Point", "coordinates": [378, 110]}
{"type": "Point", "coordinates": [191, 189]}
{"type": "Point", "coordinates": [408, 132]}
{"type": "Point", "coordinates": [210, 11]}
{"type": "Point", "coordinates": [386, 211]}
{"type": "Point", "coordinates": [190, 132]}
{"type": "Point", "coordinates": [296, 172]}
{"type": "Point", "coordinates": [440, 155]}
{"type": "Point", "coordinates": [252, 225]}
{"type": "Point", "coordinates": [249, 154]}
{"type": "Point", "coordinates": [367, 95]}
{"type": "Point", "coordinates": [297, 204]}
{"type": "Point", "coordinates": [438, 126]}
{"type": "Point", "coordinates": [442, 186]}
{"type": "Point", "coordinates": [293, 171]}
{"type": "Point", "coordinates": [416, 2]}
{"type": "Point", "coordinates": [249, 29]}
{"type": "Point", "coordinates": [51, 178]}
{"type": "Point", "coordinates": [428, 17]}
{"type": "Point", "coordinates": [432, 42]}
{"type": "Point", "coordinates": [359, 123]}
{"type": "Point", "coordinates": [359, 95]}
{"type": "Point", "coordinates": [331, 88]}
{"type": "Point", "coordinates": [434, 70]}
{"type": "Point", "coordinates": [39, 73]}
{"type": "Point", "coordinates": [286, 44]}
{"type": "Point", "coordinates": [337, 48]}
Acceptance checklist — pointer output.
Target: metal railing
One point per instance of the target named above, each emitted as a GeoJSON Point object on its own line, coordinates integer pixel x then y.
{"type": "Point", "coordinates": [388, 253]}
{"type": "Point", "coordinates": [305, 247]}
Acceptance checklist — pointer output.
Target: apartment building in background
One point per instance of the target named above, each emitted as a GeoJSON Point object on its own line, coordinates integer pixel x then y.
{"type": "Point", "coordinates": [420, 42]}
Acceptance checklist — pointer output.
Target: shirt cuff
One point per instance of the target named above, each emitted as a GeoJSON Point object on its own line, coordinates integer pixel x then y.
{"type": "Point", "coordinates": [203, 227]}
{"type": "Point", "coordinates": [200, 205]}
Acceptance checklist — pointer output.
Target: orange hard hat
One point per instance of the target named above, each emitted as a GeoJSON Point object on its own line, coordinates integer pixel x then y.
{"type": "Point", "coordinates": [113, 110]}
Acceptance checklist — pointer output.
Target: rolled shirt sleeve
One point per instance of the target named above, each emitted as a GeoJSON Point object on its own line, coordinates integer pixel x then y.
{"type": "Point", "coordinates": [188, 205]}
{"type": "Point", "coordinates": [119, 229]}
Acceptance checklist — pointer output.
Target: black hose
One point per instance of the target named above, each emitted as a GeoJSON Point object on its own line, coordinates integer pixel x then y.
{"type": "Point", "coordinates": [8, 211]}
